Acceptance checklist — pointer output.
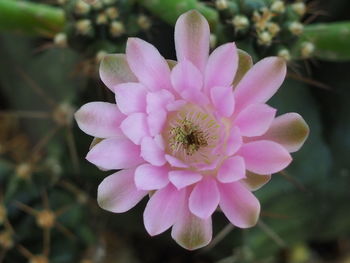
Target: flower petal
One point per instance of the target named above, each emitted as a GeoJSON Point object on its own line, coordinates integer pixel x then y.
{"type": "Point", "coordinates": [99, 119]}
{"type": "Point", "coordinates": [135, 127]}
{"type": "Point", "coordinates": [130, 97]}
{"type": "Point", "coordinates": [156, 121]}
{"type": "Point", "coordinates": [162, 209]}
{"type": "Point", "coordinates": [222, 66]}
{"type": "Point", "coordinates": [255, 181]}
{"type": "Point", "coordinates": [158, 100]}
{"type": "Point", "coordinates": [173, 161]}
{"type": "Point", "coordinates": [149, 177]}
{"type": "Point", "coordinates": [117, 193]}
{"type": "Point", "coordinates": [265, 157]}
{"type": "Point", "coordinates": [192, 36]}
{"type": "Point", "coordinates": [239, 205]}
{"type": "Point", "coordinates": [290, 130]}
{"type": "Point", "coordinates": [148, 65]}
{"type": "Point", "coordinates": [204, 198]}
{"type": "Point", "coordinates": [114, 69]}
{"type": "Point", "coordinates": [260, 83]}
{"type": "Point", "coordinates": [234, 141]}
{"type": "Point", "coordinates": [152, 152]}
{"type": "Point", "coordinates": [255, 119]}
{"type": "Point", "coordinates": [245, 62]}
{"type": "Point", "coordinates": [223, 100]}
{"type": "Point", "coordinates": [231, 170]}
{"type": "Point", "coordinates": [190, 231]}
{"type": "Point", "coordinates": [185, 76]}
{"type": "Point", "coordinates": [183, 178]}
{"type": "Point", "coordinates": [115, 153]}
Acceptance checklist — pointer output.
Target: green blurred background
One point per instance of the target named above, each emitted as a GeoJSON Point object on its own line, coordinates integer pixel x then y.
{"type": "Point", "coordinates": [48, 210]}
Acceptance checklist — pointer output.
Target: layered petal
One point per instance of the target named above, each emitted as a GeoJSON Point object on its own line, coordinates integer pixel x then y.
{"type": "Point", "coordinates": [117, 193]}
{"type": "Point", "coordinates": [231, 170]}
{"type": "Point", "coordinates": [115, 153]}
{"type": "Point", "coordinates": [223, 100]}
{"type": "Point", "coordinates": [135, 127]}
{"type": "Point", "coordinates": [99, 119]}
{"type": "Point", "coordinates": [255, 181]}
{"type": "Point", "coordinates": [183, 178]}
{"type": "Point", "coordinates": [185, 76]}
{"type": "Point", "coordinates": [114, 69]}
{"type": "Point", "coordinates": [222, 66]}
{"type": "Point", "coordinates": [261, 82]}
{"type": "Point", "coordinates": [152, 152]}
{"type": "Point", "coordinates": [245, 63]}
{"type": "Point", "coordinates": [255, 119]}
{"type": "Point", "coordinates": [149, 177]}
{"type": "Point", "coordinates": [265, 157]}
{"type": "Point", "coordinates": [174, 162]}
{"type": "Point", "coordinates": [156, 121]}
{"type": "Point", "coordinates": [204, 198]}
{"type": "Point", "coordinates": [150, 68]}
{"type": "Point", "coordinates": [192, 37]}
{"type": "Point", "coordinates": [131, 97]}
{"type": "Point", "coordinates": [190, 231]}
{"type": "Point", "coordinates": [162, 209]}
{"type": "Point", "coordinates": [234, 141]}
{"type": "Point", "coordinates": [290, 130]}
{"type": "Point", "coordinates": [239, 205]}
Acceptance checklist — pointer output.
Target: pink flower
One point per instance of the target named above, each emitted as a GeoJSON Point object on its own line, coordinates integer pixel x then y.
{"type": "Point", "coordinates": [194, 134]}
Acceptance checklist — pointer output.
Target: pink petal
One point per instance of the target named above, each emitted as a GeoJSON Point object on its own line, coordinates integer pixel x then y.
{"type": "Point", "coordinates": [162, 209]}
{"type": "Point", "coordinates": [265, 157]}
{"type": "Point", "coordinates": [223, 100]}
{"type": "Point", "coordinates": [174, 162]}
{"type": "Point", "coordinates": [115, 153]}
{"type": "Point", "coordinates": [192, 39]}
{"type": "Point", "coordinates": [130, 97]}
{"type": "Point", "coordinates": [255, 181]}
{"type": "Point", "coordinates": [99, 119]}
{"type": "Point", "coordinates": [183, 178]}
{"type": "Point", "coordinates": [158, 100]}
{"type": "Point", "coordinates": [190, 231]}
{"type": "Point", "coordinates": [255, 119]}
{"type": "Point", "coordinates": [135, 127]}
{"type": "Point", "coordinates": [156, 121]}
{"type": "Point", "coordinates": [176, 105]}
{"type": "Point", "coordinates": [195, 96]}
{"type": "Point", "coordinates": [234, 141]}
{"type": "Point", "coordinates": [260, 83]}
{"type": "Point", "coordinates": [149, 177]}
{"type": "Point", "coordinates": [185, 76]}
{"type": "Point", "coordinates": [148, 65]}
{"type": "Point", "coordinates": [245, 62]}
{"type": "Point", "coordinates": [114, 70]}
{"type": "Point", "coordinates": [204, 198]}
{"type": "Point", "coordinates": [117, 193]}
{"type": "Point", "coordinates": [222, 66]}
{"type": "Point", "coordinates": [152, 152]}
{"type": "Point", "coordinates": [290, 130]}
{"type": "Point", "coordinates": [239, 205]}
{"type": "Point", "coordinates": [231, 170]}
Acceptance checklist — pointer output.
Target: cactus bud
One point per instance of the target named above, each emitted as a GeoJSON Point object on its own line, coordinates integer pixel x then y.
{"type": "Point", "coordinates": [24, 171]}
{"type": "Point", "coordinates": [299, 8]}
{"type": "Point", "coordinates": [81, 8]}
{"type": "Point", "coordinates": [100, 55]}
{"type": "Point", "coordinates": [284, 53]}
{"type": "Point", "coordinates": [116, 29]}
{"type": "Point", "coordinates": [83, 27]}
{"type": "Point", "coordinates": [45, 219]}
{"type": "Point", "coordinates": [97, 5]}
{"type": "Point", "coordinates": [144, 22]}
{"type": "Point", "coordinates": [307, 49]}
{"type": "Point", "coordinates": [278, 7]}
{"type": "Point", "coordinates": [112, 13]}
{"type": "Point", "coordinates": [264, 38]}
{"type": "Point", "coordinates": [296, 28]}
{"type": "Point", "coordinates": [60, 40]}
{"type": "Point", "coordinates": [6, 240]}
{"type": "Point", "coordinates": [240, 22]}
{"type": "Point", "coordinates": [101, 19]}
{"type": "Point", "coordinates": [221, 4]}
{"type": "Point", "coordinates": [63, 114]}
{"type": "Point", "coordinates": [273, 28]}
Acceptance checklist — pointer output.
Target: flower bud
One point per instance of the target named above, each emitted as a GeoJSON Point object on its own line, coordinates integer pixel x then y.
{"type": "Point", "coordinates": [81, 8]}
{"type": "Point", "coordinates": [83, 27]}
{"type": "Point", "coordinates": [45, 219]}
{"type": "Point", "coordinates": [97, 5]}
{"type": "Point", "coordinates": [221, 4]}
{"type": "Point", "coordinates": [24, 171]}
{"type": "Point", "coordinates": [112, 12]}
{"type": "Point", "coordinates": [264, 38]}
{"type": "Point", "coordinates": [240, 22]}
{"type": "Point", "coordinates": [299, 8]}
{"type": "Point", "coordinates": [307, 49]}
{"type": "Point", "coordinates": [284, 53]}
{"type": "Point", "coordinates": [6, 240]}
{"type": "Point", "coordinates": [101, 19]}
{"type": "Point", "coordinates": [278, 7]}
{"type": "Point", "coordinates": [60, 40]}
{"type": "Point", "coordinates": [116, 29]}
{"type": "Point", "coordinates": [100, 55]}
{"type": "Point", "coordinates": [296, 28]}
{"type": "Point", "coordinates": [144, 22]}
{"type": "Point", "coordinates": [273, 28]}
{"type": "Point", "coordinates": [63, 114]}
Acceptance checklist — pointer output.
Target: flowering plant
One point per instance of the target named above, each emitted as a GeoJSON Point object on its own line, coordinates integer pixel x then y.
{"type": "Point", "coordinates": [194, 134]}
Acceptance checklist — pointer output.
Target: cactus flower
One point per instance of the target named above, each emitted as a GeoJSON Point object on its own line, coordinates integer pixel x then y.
{"type": "Point", "coordinates": [194, 135]}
